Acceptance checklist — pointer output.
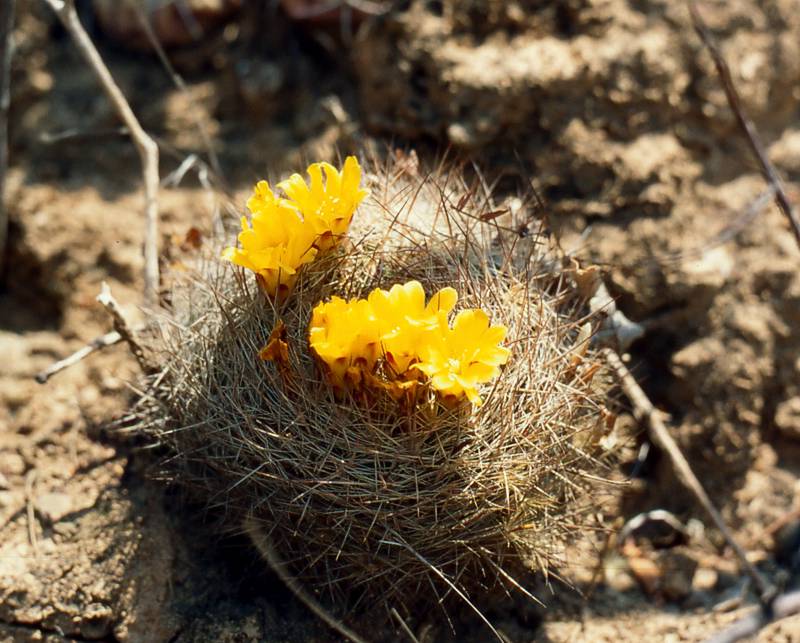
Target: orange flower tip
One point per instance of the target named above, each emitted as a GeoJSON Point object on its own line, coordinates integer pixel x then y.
{"type": "Point", "coordinates": [276, 351]}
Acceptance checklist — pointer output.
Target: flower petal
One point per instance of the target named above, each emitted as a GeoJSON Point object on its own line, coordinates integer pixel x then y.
{"type": "Point", "coordinates": [443, 301]}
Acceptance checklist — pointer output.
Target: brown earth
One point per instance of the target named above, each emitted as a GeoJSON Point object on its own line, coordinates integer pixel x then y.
{"type": "Point", "coordinates": [613, 112]}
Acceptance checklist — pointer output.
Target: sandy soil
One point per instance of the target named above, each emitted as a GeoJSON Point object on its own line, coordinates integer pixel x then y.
{"type": "Point", "coordinates": [609, 107]}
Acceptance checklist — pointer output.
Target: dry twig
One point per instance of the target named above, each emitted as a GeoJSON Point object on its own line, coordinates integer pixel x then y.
{"type": "Point", "coordinates": [106, 299]}
{"type": "Point", "coordinates": [30, 484]}
{"type": "Point", "coordinates": [404, 626]}
{"type": "Point", "coordinates": [146, 146]}
{"type": "Point", "coordinates": [745, 124]}
{"type": "Point", "coordinates": [773, 606]}
{"type": "Point", "coordinates": [644, 411]}
{"type": "Point", "coordinates": [6, 26]}
{"type": "Point", "coordinates": [783, 606]}
{"type": "Point", "coordinates": [109, 339]}
{"type": "Point", "coordinates": [281, 570]}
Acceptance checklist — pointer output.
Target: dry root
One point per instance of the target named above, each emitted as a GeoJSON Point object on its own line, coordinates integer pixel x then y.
{"type": "Point", "coordinates": [361, 496]}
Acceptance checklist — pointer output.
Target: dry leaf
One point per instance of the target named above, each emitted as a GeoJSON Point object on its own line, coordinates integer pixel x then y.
{"type": "Point", "coordinates": [277, 349]}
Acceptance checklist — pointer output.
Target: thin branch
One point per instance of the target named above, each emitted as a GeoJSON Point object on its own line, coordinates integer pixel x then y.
{"type": "Point", "coordinates": [404, 626]}
{"type": "Point", "coordinates": [146, 146]}
{"type": "Point", "coordinates": [30, 513]}
{"type": "Point", "coordinates": [6, 43]}
{"type": "Point", "coordinates": [783, 606]}
{"type": "Point", "coordinates": [645, 412]}
{"type": "Point", "coordinates": [106, 299]}
{"type": "Point", "coordinates": [745, 124]}
{"type": "Point", "coordinates": [450, 584]}
{"type": "Point", "coordinates": [73, 133]}
{"type": "Point", "coordinates": [98, 343]}
{"type": "Point", "coordinates": [270, 556]}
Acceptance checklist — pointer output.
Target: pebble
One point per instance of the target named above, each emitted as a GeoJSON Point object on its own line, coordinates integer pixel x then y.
{"type": "Point", "coordinates": [13, 464]}
{"type": "Point", "coordinates": [787, 418]}
{"type": "Point", "coordinates": [53, 506]}
{"type": "Point", "coordinates": [704, 579]}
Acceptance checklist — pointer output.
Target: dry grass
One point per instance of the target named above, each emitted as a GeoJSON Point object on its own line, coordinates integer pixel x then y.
{"type": "Point", "coordinates": [357, 496]}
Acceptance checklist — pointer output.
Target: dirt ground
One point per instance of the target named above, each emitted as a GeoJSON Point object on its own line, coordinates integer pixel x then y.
{"type": "Point", "coordinates": [610, 109]}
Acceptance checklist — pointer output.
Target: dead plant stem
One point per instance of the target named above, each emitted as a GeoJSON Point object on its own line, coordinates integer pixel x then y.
{"type": "Point", "coordinates": [145, 145]}
{"type": "Point", "coordinates": [745, 124]}
{"type": "Point", "coordinates": [6, 45]}
{"type": "Point", "coordinates": [109, 339]}
{"type": "Point", "coordinates": [784, 606]}
{"type": "Point", "coordinates": [30, 512]}
{"type": "Point", "coordinates": [645, 412]}
{"type": "Point", "coordinates": [267, 551]}
{"type": "Point", "coordinates": [106, 299]}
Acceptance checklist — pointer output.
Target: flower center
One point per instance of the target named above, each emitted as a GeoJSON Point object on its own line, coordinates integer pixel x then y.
{"type": "Point", "coordinates": [453, 364]}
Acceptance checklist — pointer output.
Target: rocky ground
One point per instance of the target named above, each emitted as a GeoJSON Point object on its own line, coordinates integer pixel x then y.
{"type": "Point", "coordinates": [610, 109]}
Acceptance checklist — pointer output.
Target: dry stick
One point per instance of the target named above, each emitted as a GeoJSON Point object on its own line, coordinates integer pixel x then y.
{"type": "Point", "coordinates": [267, 551]}
{"type": "Point", "coordinates": [6, 27]}
{"type": "Point", "coordinates": [783, 606]}
{"type": "Point", "coordinates": [644, 411]}
{"type": "Point", "coordinates": [404, 626]}
{"type": "Point", "coordinates": [745, 124]}
{"type": "Point", "coordinates": [106, 299]}
{"type": "Point", "coordinates": [146, 146]}
{"type": "Point", "coordinates": [30, 482]}
{"type": "Point", "coordinates": [109, 339]}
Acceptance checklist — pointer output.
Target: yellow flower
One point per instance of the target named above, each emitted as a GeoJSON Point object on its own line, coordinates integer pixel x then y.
{"type": "Point", "coordinates": [459, 359]}
{"type": "Point", "coordinates": [404, 317]}
{"type": "Point", "coordinates": [327, 206]}
{"type": "Point", "coordinates": [346, 336]}
{"type": "Point", "coordinates": [264, 200]}
{"type": "Point", "coordinates": [413, 339]}
{"type": "Point", "coordinates": [275, 244]}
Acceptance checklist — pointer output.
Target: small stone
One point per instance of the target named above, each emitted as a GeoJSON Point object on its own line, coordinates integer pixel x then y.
{"type": "Point", "coordinates": [4, 484]}
{"type": "Point", "coordinates": [12, 464]}
{"type": "Point", "coordinates": [53, 506]}
{"type": "Point", "coordinates": [647, 572]}
{"type": "Point", "coordinates": [704, 579]}
{"type": "Point", "coordinates": [787, 418]}
{"type": "Point", "coordinates": [460, 135]}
